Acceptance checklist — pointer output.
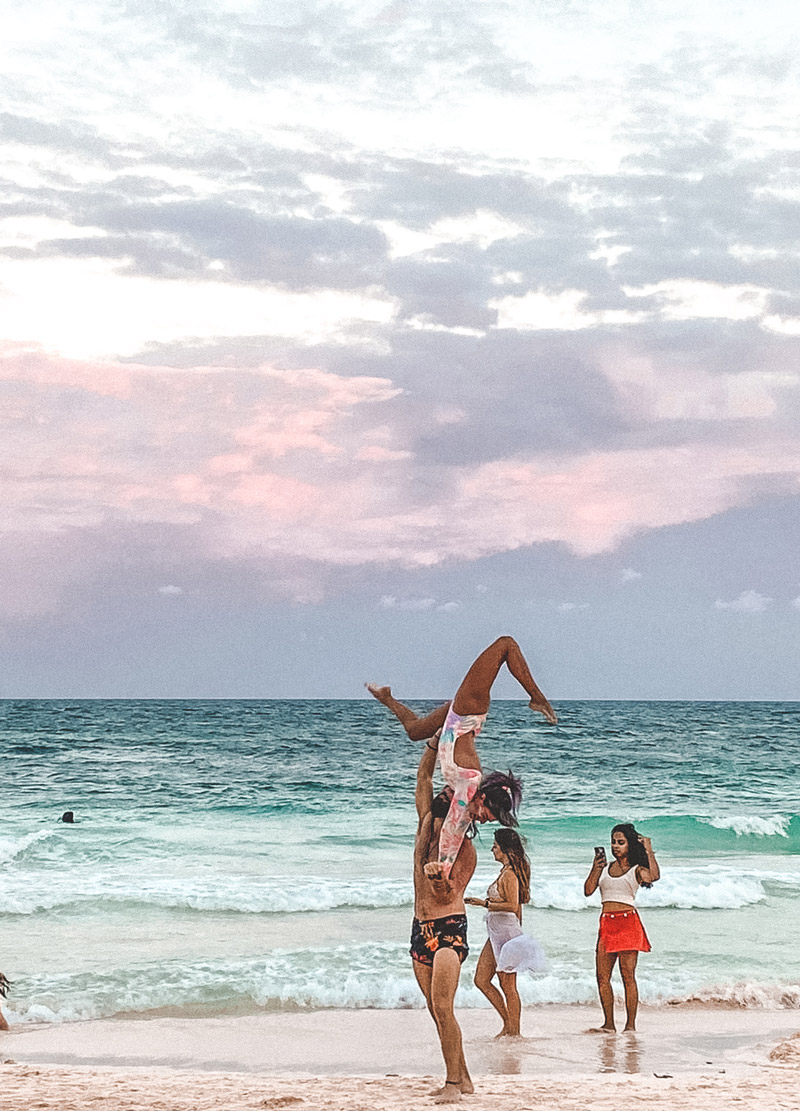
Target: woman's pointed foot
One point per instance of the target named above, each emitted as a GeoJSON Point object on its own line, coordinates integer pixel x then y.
{"type": "Point", "coordinates": [383, 694]}
{"type": "Point", "coordinates": [542, 707]}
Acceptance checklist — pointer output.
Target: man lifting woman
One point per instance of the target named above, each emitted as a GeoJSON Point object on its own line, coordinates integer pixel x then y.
{"type": "Point", "coordinates": [475, 797]}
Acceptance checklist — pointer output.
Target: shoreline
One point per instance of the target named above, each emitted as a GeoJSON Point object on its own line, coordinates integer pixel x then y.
{"type": "Point", "coordinates": [687, 1040]}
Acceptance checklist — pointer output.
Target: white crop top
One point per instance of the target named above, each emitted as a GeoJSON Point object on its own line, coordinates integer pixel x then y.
{"type": "Point", "coordinates": [618, 889]}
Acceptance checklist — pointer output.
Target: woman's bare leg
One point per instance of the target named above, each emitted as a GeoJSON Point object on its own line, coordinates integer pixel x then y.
{"type": "Point", "coordinates": [474, 694]}
{"type": "Point", "coordinates": [627, 969]}
{"type": "Point", "coordinates": [417, 728]}
{"type": "Point", "coordinates": [508, 983]}
{"type": "Point", "coordinates": [484, 974]}
{"type": "Point", "coordinates": [604, 963]}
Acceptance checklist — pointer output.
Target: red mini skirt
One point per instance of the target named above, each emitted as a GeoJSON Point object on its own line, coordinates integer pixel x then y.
{"type": "Point", "coordinates": [622, 931]}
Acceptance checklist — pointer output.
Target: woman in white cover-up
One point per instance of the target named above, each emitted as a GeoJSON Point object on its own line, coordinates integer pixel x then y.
{"type": "Point", "coordinates": [508, 950]}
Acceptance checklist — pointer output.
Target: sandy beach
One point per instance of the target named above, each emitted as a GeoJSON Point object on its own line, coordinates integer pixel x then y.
{"type": "Point", "coordinates": [684, 1057]}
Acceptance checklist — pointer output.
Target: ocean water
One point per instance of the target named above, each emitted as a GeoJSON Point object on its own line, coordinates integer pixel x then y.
{"type": "Point", "coordinates": [229, 857]}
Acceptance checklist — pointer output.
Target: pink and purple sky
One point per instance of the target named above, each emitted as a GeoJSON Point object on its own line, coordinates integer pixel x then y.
{"type": "Point", "coordinates": [337, 339]}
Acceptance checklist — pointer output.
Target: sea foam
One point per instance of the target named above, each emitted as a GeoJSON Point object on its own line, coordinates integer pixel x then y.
{"type": "Point", "coordinates": [752, 825]}
{"type": "Point", "coordinates": [349, 977]}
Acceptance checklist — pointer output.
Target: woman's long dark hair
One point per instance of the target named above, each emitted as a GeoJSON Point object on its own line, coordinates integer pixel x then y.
{"type": "Point", "coordinates": [637, 854]}
{"type": "Point", "coordinates": [502, 793]}
{"type": "Point", "coordinates": [512, 845]}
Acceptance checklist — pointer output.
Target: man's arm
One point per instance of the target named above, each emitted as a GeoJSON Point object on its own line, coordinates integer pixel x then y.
{"type": "Point", "coordinates": [424, 790]}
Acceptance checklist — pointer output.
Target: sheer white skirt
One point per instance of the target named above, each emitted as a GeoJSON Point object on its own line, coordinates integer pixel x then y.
{"type": "Point", "coordinates": [514, 950]}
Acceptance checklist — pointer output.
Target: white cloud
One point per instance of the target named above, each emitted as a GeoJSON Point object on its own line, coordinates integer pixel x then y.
{"type": "Point", "coordinates": [170, 590]}
{"type": "Point", "coordinates": [448, 607]}
{"type": "Point", "coordinates": [749, 601]}
{"type": "Point", "coordinates": [628, 575]}
{"type": "Point", "coordinates": [795, 602]}
{"type": "Point", "coordinates": [571, 607]}
{"type": "Point", "coordinates": [412, 605]}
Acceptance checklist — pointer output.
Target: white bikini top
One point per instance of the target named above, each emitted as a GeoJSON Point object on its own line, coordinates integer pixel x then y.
{"type": "Point", "coordinates": [618, 889]}
{"type": "Point", "coordinates": [493, 891]}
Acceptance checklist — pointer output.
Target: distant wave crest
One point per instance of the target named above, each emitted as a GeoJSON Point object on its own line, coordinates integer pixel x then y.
{"type": "Point", "coordinates": [244, 895]}
{"type": "Point", "coordinates": [752, 825]}
{"type": "Point", "coordinates": [11, 848]}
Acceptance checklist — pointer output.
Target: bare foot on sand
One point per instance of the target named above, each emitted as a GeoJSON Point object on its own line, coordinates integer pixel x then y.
{"type": "Point", "coordinates": [601, 1030]}
{"type": "Point", "coordinates": [508, 1034]}
{"type": "Point", "coordinates": [383, 694]}
{"type": "Point", "coordinates": [449, 1093]}
{"type": "Point", "coordinates": [542, 707]}
{"type": "Point", "coordinates": [465, 1084]}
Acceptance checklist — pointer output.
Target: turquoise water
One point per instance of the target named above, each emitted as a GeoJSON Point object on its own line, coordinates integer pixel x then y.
{"type": "Point", "coordinates": [233, 856]}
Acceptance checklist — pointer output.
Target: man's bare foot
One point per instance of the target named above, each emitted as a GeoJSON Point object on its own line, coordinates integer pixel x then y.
{"type": "Point", "coordinates": [504, 1033]}
{"type": "Point", "coordinates": [601, 1030]}
{"type": "Point", "coordinates": [383, 694]}
{"type": "Point", "coordinates": [629, 1030]}
{"type": "Point", "coordinates": [466, 1085]}
{"type": "Point", "coordinates": [450, 1093]}
{"type": "Point", "coordinates": [543, 707]}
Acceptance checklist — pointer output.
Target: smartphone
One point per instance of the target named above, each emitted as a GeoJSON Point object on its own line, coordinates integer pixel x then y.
{"type": "Point", "coordinates": [599, 850]}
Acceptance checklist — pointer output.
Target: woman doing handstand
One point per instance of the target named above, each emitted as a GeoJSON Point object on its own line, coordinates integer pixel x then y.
{"type": "Point", "coordinates": [476, 798]}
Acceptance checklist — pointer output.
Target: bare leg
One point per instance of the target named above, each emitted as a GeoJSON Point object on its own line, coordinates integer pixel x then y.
{"type": "Point", "coordinates": [424, 977]}
{"type": "Point", "coordinates": [627, 968]}
{"type": "Point", "coordinates": [3, 1022]}
{"type": "Point", "coordinates": [604, 963]}
{"type": "Point", "coordinates": [446, 972]}
{"type": "Point", "coordinates": [417, 728]}
{"type": "Point", "coordinates": [484, 974]}
{"type": "Point", "coordinates": [473, 696]}
{"type": "Point", "coordinates": [508, 982]}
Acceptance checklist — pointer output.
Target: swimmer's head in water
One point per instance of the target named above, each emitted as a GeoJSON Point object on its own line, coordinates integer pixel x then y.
{"type": "Point", "coordinates": [501, 794]}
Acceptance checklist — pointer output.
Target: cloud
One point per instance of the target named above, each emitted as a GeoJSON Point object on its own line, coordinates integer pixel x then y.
{"type": "Point", "coordinates": [396, 333]}
{"type": "Point", "coordinates": [334, 470]}
{"type": "Point", "coordinates": [170, 591]}
{"type": "Point", "coordinates": [628, 575]}
{"type": "Point", "coordinates": [411, 605]}
{"type": "Point", "coordinates": [749, 601]}
{"type": "Point", "coordinates": [795, 602]}
{"type": "Point", "coordinates": [572, 607]}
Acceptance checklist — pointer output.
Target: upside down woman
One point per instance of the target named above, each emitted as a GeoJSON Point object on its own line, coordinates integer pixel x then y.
{"type": "Point", "coordinates": [475, 797]}
{"type": "Point", "coordinates": [621, 935]}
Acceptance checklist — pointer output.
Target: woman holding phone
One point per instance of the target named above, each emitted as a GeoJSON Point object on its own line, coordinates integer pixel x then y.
{"type": "Point", "coordinates": [621, 934]}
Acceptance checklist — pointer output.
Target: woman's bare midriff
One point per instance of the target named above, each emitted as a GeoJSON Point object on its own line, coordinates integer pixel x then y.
{"type": "Point", "coordinates": [609, 908]}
